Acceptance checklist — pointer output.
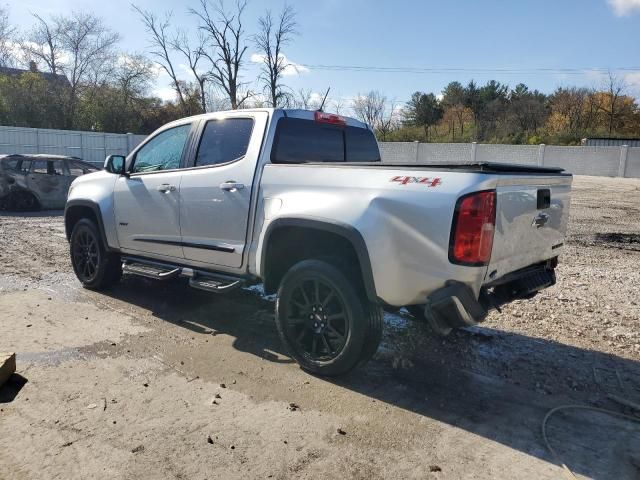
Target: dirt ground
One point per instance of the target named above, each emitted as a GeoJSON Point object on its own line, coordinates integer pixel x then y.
{"type": "Point", "coordinates": [157, 380]}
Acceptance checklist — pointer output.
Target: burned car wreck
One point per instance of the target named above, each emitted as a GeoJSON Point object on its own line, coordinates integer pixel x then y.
{"type": "Point", "coordinates": [38, 181]}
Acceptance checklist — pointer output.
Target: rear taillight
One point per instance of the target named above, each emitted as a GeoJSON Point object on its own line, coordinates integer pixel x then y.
{"type": "Point", "coordinates": [473, 226]}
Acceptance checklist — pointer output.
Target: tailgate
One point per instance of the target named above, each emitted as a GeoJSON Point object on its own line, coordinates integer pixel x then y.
{"type": "Point", "coordinates": [531, 221]}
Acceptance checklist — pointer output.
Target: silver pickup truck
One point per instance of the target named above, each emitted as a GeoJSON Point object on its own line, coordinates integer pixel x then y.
{"type": "Point", "coordinates": [300, 202]}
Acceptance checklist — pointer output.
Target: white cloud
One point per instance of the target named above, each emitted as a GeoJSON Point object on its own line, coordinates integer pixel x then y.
{"type": "Point", "coordinates": [291, 69]}
{"type": "Point", "coordinates": [622, 8]}
{"type": "Point", "coordinates": [632, 79]}
{"type": "Point", "coordinates": [165, 93]}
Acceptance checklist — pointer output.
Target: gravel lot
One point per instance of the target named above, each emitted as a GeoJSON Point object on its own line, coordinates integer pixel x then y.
{"type": "Point", "coordinates": [157, 380]}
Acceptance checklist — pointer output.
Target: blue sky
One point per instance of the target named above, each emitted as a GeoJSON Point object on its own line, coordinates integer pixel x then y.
{"type": "Point", "coordinates": [466, 40]}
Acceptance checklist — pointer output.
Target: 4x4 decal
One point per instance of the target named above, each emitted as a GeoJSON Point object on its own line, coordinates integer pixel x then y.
{"type": "Point", "coordinates": [428, 181]}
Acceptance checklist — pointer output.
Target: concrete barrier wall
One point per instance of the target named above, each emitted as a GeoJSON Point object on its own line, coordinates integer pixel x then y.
{"type": "Point", "coordinates": [632, 169]}
{"type": "Point", "coordinates": [585, 160]}
{"type": "Point", "coordinates": [90, 146]}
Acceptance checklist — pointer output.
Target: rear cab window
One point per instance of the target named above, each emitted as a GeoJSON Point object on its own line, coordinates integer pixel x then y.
{"type": "Point", "coordinates": [304, 141]}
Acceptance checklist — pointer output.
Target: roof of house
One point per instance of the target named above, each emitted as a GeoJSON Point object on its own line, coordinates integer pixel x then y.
{"type": "Point", "coordinates": [14, 72]}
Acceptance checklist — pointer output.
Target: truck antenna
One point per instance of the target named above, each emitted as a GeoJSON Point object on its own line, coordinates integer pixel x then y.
{"type": "Point", "coordinates": [324, 99]}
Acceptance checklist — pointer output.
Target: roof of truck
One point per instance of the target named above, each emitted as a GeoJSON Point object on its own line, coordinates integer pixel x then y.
{"type": "Point", "coordinates": [287, 112]}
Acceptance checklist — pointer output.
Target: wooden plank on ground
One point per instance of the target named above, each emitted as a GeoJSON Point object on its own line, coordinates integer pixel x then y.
{"type": "Point", "coordinates": [7, 366]}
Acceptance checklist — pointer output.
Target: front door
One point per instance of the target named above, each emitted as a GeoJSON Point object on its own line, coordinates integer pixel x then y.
{"type": "Point", "coordinates": [216, 192]}
{"type": "Point", "coordinates": [147, 202]}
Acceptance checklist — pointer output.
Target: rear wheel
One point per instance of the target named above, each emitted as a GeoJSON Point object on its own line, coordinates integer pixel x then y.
{"type": "Point", "coordinates": [93, 265]}
{"type": "Point", "coordinates": [327, 325]}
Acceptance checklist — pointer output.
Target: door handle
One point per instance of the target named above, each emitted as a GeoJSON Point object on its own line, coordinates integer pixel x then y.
{"type": "Point", "coordinates": [231, 186]}
{"type": "Point", "coordinates": [166, 188]}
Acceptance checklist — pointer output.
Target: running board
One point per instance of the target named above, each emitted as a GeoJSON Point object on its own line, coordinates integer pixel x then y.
{"type": "Point", "coordinates": [209, 282]}
{"type": "Point", "coordinates": [214, 285]}
{"type": "Point", "coordinates": [150, 271]}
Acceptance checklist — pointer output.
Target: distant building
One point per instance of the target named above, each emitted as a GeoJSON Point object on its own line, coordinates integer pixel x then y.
{"type": "Point", "coordinates": [610, 142]}
{"type": "Point", "coordinates": [50, 77]}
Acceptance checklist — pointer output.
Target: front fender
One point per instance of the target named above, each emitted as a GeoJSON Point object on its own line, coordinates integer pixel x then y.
{"type": "Point", "coordinates": [95, 191]}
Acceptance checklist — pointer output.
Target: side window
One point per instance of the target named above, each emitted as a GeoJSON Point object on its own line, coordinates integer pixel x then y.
{"type": "Point", "coordinates": [77, 169]}
{"type": "Point", "coordinates": [55, 167]}
{"type": "Point", "coordinates": [39, 166]}
{"type": "Point", "coordinates": [224, 141]}
{"type": "Point", "coordinates": [162, 152]}
{"type": "Point", "coordinates": [11, 165]}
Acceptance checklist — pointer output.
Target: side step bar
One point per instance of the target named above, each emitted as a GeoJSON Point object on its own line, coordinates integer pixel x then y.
{"type": "Point", "coordinates": [150, 271]}
{"type": "Point", "coordinates": [197, 279]}
{"type": "Point", "coordinates": [212, 285]}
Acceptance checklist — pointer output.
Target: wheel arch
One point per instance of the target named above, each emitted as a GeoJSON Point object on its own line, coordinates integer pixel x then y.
{"type": "Point", "coordinates": [78, 209]}
{"type": "Point", "coordinates": [317, 231]}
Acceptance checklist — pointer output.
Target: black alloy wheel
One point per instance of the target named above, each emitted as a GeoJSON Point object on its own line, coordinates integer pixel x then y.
{"type": "Point", "coordinates": [324, 318]}
{"type": "Point", "coordinates": [95, 267]}
{"type": "Point", "coordinates": [86, 255]}
{"type": "Point", "coordinates": [318, 320]}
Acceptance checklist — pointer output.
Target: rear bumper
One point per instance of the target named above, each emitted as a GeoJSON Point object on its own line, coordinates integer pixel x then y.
{"type": "Point", "coordinates": [455, 305]}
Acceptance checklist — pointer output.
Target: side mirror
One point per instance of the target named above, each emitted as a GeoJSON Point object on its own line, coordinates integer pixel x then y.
{"type": "Point", "coordinates": [115, 164]}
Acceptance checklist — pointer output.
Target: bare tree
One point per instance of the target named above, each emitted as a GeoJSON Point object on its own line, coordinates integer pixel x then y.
{"type": "Point", "coordinates": [79, 46]}
{"type": "Point", "coordinates": [158, 30]}
{"type": "Point", "coordinates": [43, 45]}
{"type": "Point", "coordinates": [370, 107]}
{"type": "Point", "coordinates": [133, 75]}
{"type": "Point", "coordinates": [389, 120]}
{"type": "Point", "coordinates": [88, 45]}
{"type": "Point", "coordinates": [7, 38]}
{"type": "Point", "coordinates": [615, 88]}
{"type": "Point", "coordinates": [224, 39]}
{"type": "Point", "coordinates": [306, 100]}
{"type": "Point", "coordinates": [303, 98]}
{"type": "Point", "coordinates": [273, 35]}
{"type": "Point", "coordinates": [194, 57]}
{"type": "Point", "coordinates": [337, 105]}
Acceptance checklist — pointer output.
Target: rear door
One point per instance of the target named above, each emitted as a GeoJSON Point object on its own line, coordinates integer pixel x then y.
{"type": "Point", "coordinates": [46, 179]}
{"type": "Point", "coordinates": [531, 221]}
{"type": "Point", "coordinates": [216, 189]}
{"type": "Point", "coordinates": [147, 202]}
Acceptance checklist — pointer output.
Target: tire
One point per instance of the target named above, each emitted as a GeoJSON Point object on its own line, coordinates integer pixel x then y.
{"type": "Point", "coordinates": [326, 323]}
{"type": "Point", "coordinates": [93, 265]}
{"type": "Point", "coordinates": [417, 312]}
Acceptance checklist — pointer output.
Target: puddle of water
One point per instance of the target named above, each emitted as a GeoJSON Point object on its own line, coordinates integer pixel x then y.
{"type": "Point", "coordinates": [50, 358]}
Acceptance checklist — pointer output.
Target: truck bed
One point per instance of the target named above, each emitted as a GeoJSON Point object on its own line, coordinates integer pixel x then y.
{"type": "Point", "coordinates": [475, 167]}
{"type": "Point", "coordinates": [405, 212]}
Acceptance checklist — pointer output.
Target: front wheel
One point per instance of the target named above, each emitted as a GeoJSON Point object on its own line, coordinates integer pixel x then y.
{"type": "Point", "coordinates": [326, 323]}
{"type": "Point", "coordinates": [93, 265]}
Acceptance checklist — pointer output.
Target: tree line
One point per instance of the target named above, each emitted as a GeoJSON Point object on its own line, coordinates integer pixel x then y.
{"type": "Point", "coordinates": [495, 113]}
{"type": "Point", "coordinates": [72, 74]}
{"type": "Point", "coordinates": [67, 71]}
